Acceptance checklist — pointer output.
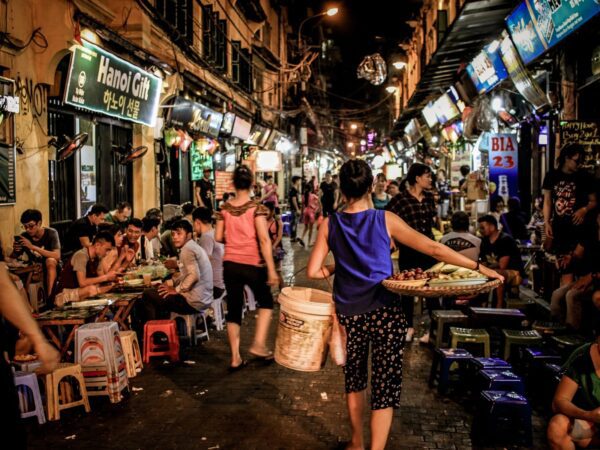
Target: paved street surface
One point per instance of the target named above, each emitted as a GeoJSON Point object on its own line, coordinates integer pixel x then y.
{"type": "Point", "coordinates": [199, 405]}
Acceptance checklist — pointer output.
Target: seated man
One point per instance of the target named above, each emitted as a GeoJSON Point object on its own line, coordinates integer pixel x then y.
{"type": "Point", "coordinates": [133, 232]}
{"type": "Point", "coordinates": [193, 289]}
{"type": "Point", "coordinates": [577, 401]}
{"type": "Point", "coordinates": [40, 244]}
{"type": "Point", "coordinates": [149, 233]}
{"type": "Point", "coordinates": [459, 239]}
{"type": "Point", "coordinates": [120, 215]}
{"type": "Point", "coordinates": [79, 279]}
{"type": "Point", "coordinates": [83, 230]}
{"type": "Point", "coordinates": [500, 252]}
{"type": "Point", "coordinates": [204, 229]}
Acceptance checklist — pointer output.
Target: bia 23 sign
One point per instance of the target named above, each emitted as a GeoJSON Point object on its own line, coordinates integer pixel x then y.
{"type": "Point", "coordinates": [503, 164]}
{"type": "Point", "coordinates": [104, 83]}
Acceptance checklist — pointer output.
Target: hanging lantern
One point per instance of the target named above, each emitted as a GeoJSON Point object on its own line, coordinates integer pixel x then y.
{"type": "Point", "coordinates": [170, 136]}
{"type": "Point", "coordinates": [373, 69]}
{"type": "Point", "coordinates": [186, 141]}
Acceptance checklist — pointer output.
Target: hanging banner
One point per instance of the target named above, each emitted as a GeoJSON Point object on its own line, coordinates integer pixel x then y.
{"type": "Point", "coordinates": [104, 83]}
{"type": "Point", "coordinates": [503, 164]}
{"type": "Point", "coordinates": [537, 25]}
{"type": "Point", "coordinates": [520, 76]}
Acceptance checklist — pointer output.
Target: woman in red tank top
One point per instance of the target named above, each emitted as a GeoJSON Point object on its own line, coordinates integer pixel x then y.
{"type": "Point", "coordinates": [248, 261]}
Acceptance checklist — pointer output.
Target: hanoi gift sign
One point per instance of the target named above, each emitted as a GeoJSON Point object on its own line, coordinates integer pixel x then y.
{"type": "Point", "coordinates": [102, 82]}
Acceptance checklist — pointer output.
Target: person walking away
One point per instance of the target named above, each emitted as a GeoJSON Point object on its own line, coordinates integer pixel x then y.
{"type": "Point", "coordinates": [568, 197]}
{"type": "Point", "coordinates": [360, 240]}
{"type": "Point", "coordinates": [248, 260]}
{"type": "Point", "coordinates": [380, 197]}
{"type": "Point", "coordinates": [328, 190]}
{"type": "Point", "coordinates": [15, 314]}
{"type": "Point", "coordinates": [204, 191]}
{"type": "Point", "coordinates": [416, 206]}
{"type": "Point", "coordinates": [275, 227]}
{"type": "Point", "coordinates": [269, 191]}
{"type": "Point", "coordinates": [294, 201]}
{"type": "Point", "coordinates": [312, 206]}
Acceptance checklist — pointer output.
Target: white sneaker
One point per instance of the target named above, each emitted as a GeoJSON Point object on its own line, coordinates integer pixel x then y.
{"type": "Point", "coordinates": [424, 339]}
{"type": "Point", "coordinates": [410, 334]}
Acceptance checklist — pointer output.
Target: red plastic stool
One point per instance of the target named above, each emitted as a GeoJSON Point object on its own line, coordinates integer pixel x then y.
{"type": "Point", "coordinates": [171, 349]}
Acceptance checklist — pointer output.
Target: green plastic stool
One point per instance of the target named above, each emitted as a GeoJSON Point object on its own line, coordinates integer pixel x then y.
{"type": "Point", "coordinates": [470, 336]}
{"type": "Point", "coordinates": [530, 338]}
{"type": "Point", "coordinates": [567, 343]}
{"type": "Point", "coordinates": [441, 318]}
{"type": "Point", "coordinates": [548, 329]}
{"type": "Point", "coordinates": [525, 305]}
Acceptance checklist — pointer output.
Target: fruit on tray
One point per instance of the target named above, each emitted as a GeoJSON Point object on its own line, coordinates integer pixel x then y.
{"type": "Point", "coordinates": [412, 274]}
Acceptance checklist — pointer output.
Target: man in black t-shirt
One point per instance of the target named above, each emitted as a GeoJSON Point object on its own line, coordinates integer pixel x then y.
{"type": "Point", "coordinates": [205, 191]}
{"type": "Point", "coordinates": [40, 244]}
{"type": "Point", "coordinates": [568, 198]}
{"type": "Point", "coordinates": [294, 201]}
{"type": "Point", "coordinates": [83, 230]}
{"type": "Point", "coordinates": [328, 193]}
{"type": "Point", "coordinates": [500, 252]}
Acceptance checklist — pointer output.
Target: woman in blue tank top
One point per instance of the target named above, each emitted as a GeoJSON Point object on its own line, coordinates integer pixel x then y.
{"type": "Point", "coordinates": [360, 240]}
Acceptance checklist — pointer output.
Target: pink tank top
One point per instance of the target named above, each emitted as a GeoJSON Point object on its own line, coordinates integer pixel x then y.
{"type": "Point", "coordinates": [241, 240]}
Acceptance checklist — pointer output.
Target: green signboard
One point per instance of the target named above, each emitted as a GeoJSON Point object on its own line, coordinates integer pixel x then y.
{"type": "Point", "coordinates": [102, 82]}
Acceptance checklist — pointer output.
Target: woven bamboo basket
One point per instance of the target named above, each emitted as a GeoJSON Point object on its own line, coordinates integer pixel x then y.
{"type": "Point", "coordinates": [305, 322]}
{"type": "Point", "coordinates": [399, 287]}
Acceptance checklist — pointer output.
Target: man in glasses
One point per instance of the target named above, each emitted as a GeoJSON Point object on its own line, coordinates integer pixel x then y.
{"type": "Point", "coordinates": [569, 196]}
{"type": "Point", "coordinates": [40, 244]}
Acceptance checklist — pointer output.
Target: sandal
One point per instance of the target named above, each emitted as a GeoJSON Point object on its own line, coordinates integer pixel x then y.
{"type": "Point", "coordinates": [264, 356]}
{"type": "Point", "coordinates": [240, 366]}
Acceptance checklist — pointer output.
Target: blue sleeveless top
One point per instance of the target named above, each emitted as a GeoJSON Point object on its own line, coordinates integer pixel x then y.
{"type": "Point", "coordinates": [361, 248]}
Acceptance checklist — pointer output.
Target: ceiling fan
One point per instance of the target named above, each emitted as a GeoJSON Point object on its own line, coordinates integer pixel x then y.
{"type": "Point", "coordinates": [68, 146]}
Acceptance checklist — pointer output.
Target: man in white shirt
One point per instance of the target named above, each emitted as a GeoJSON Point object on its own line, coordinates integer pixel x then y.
{"type": "Point", "coordinates": [149, 232]}
{"type": "Point", "coordinates": [205, 233]}
{"type": "Point", "coordinates": [459, 239]}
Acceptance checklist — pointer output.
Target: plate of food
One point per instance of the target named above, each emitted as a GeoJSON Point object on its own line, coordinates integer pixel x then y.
{"type": "Point", "coordinates": [25, 358]}
{"type": "Point", "coordinates": [134, 282]}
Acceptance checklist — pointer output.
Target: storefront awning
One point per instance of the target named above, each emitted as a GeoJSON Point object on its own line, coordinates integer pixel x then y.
{"type": "Point", "coordinates": [478, 22]}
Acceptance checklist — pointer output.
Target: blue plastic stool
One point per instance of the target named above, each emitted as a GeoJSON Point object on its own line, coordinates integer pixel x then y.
{"type": "Point", "coordinates": [443, 359]}
{"type": "Point", "coordinates": [490, 364]}
{"type": "Point", "coordinates": [286, 217]}
{"type": "Point", "coordinates": [287, 229]}
{"type": "Point", "coordinates": [501, 380]}
{"type": "Point", "coordinates": [505, 418]}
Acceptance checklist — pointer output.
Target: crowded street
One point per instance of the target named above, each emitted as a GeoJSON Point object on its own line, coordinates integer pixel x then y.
{"type": "Point", "coordinates": [299, 224]}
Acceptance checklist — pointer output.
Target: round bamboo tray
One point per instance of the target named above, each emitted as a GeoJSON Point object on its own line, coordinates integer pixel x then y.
{"type": "Point", "coordinates": [399, 287]}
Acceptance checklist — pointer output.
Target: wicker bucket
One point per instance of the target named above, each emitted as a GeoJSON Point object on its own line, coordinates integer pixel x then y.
{"type": "Point", "coordinates": [304, 328]}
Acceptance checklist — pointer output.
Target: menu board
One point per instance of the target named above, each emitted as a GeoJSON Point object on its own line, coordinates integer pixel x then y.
{"type": "Point", "coordinates": [583, 133]}
{"type": "Point", "coordinates": [537, 25]}
{"type": "Point", "coordinates": [223, 183]}
{"type": "Point", "coordinates": [576, 132]}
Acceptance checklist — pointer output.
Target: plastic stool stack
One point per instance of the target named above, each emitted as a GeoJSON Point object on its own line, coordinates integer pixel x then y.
{"type": "Point", "coordinates": [170, 348]}
{"type": "Point", "coordinates": [501, 380]}
{"type": "Point", "coordinates": [99, 351]}
{"type": "Point", "coordinates": [505, 418]}
{"type": "Point", "coordinates": [30, 398]}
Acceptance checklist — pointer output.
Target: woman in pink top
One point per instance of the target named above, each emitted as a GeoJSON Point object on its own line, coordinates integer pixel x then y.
{"type": "Point", "coordinates": [248, 260]}
{"type": "Point", "coordinates": [270, 191]}
{"type": "Point", "coordinates": [312, 206]}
